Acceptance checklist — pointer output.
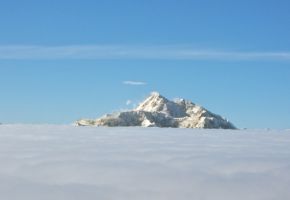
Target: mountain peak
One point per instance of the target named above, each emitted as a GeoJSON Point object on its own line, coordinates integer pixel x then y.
{"type": "Point", "coordinates": [154, 103]}
{"type": "Point", "coordinates": [156, 110]}
{"type": "Point", "coordinates": [155, 94]}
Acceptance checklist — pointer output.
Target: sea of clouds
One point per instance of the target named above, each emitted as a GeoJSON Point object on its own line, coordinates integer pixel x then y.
{"type": "Point", "coordinates": [54, 162]}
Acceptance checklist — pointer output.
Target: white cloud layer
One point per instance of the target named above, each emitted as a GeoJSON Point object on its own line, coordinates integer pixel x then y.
{"type": "Point", "coordinates": [133, 52]}
{"type": "Point", "coordinates": [134, 83]}
{"type": "Point", "coordinates": [64, 162]}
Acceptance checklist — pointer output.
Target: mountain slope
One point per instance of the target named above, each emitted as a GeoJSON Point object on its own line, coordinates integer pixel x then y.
{"type": "Point", "coordinates": [158, 111]}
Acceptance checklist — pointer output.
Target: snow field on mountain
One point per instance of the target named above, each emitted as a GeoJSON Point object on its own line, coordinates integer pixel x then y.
{"type": "Point", "coordinates": [158, 111]}
{"type": "Point", "coordinates": [47, 162]}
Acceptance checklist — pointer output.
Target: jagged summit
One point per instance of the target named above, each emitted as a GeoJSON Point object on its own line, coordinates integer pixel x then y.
{"type": "Point", "coordinates": [155, 102]}
{"type": "Point", "coordinates": [158, 111]}
{"type": "Point", "coordinates": [158, 103]}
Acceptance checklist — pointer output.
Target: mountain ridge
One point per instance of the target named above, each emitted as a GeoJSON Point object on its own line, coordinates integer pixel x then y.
{"type": "Point", "coordinates": [158, 111]}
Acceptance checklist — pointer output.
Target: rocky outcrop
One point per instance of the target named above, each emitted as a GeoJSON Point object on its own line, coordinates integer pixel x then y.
{"type": "Point", "coordinates": [158, 111]}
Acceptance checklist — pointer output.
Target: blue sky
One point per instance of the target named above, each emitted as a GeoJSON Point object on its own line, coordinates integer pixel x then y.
{"type": "Point", "coordinates": [64, 60]}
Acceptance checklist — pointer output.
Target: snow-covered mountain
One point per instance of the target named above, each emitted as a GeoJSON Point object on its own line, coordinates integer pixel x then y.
{"type": "Point", "coordinates": [158, 111]}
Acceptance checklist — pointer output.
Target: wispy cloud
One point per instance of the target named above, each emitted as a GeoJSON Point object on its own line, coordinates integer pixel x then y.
{"type": "Point", "coordinates": [128, 102]}
{"type": "Point", "coordinates": [168, 52]}
{"type": "Point", "coordinates": [134, 83]}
